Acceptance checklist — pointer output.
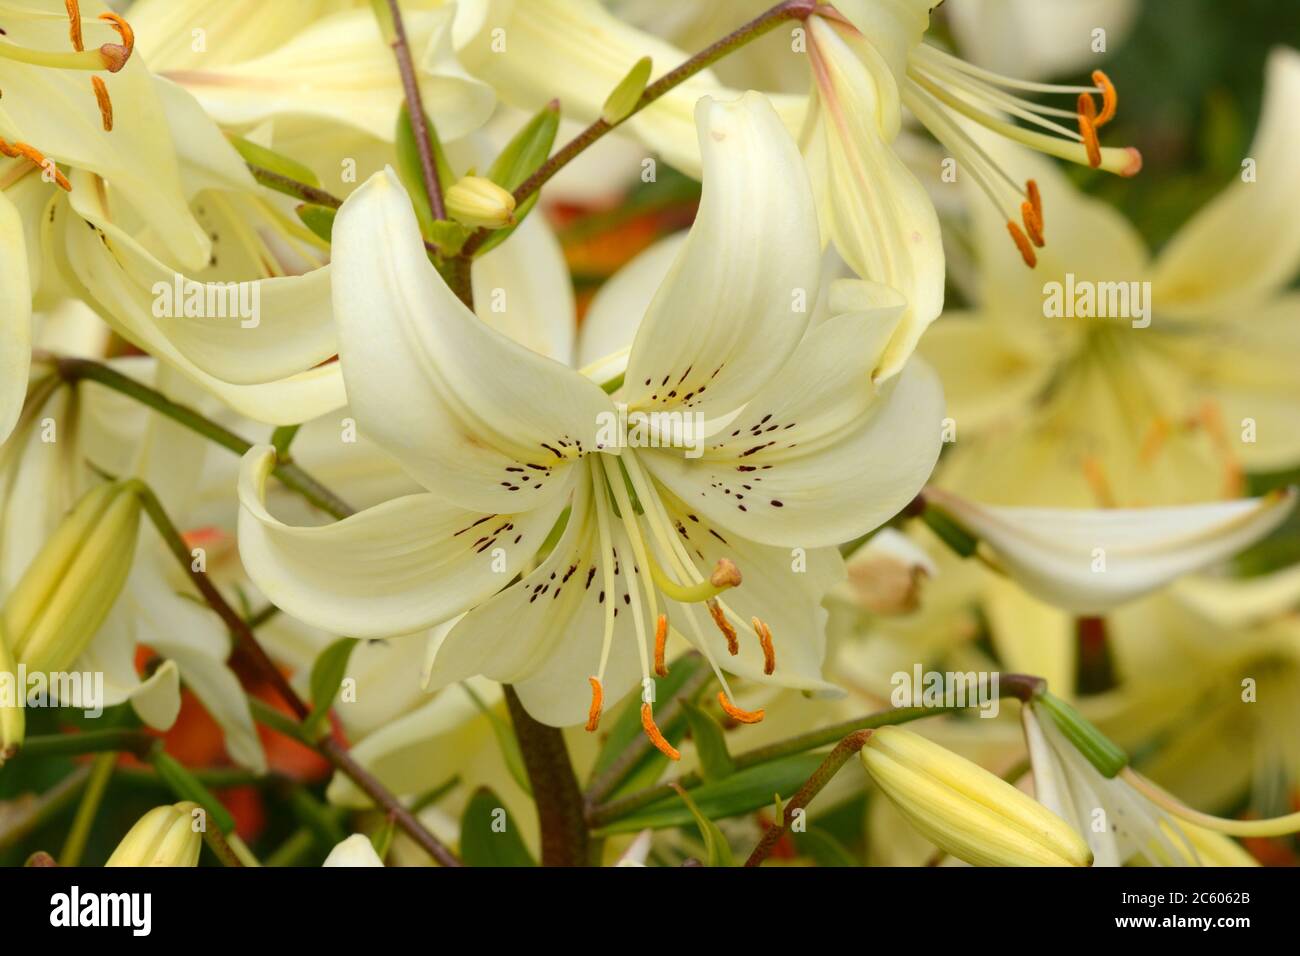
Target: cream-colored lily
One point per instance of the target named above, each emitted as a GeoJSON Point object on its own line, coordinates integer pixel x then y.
{"type": "Point", "coordinates": [103, 431]}
{"type": "Point", "coordinates": [1089, 561]}
{"type": "Point", "coordinates": [62, 67]}
{"type": "Point", "coordinates": [1168, 400]}
{"type": "Point", "coordinates": [329, 66]}
{"type": "Point", "coordinates": [787, 424]}
{"type": "Point", "coordinates": [1119, 823]}
{"type": "Point", "coordinates": [356, 850]}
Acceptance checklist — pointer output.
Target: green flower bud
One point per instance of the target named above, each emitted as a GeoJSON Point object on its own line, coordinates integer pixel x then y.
{"type": "Point", "coordinates": [165, 836]}
{"type": "Point", "coordinates": [475, 201]}
{"type": "Point", "coordinates": [70, 587]}
{"type": "Point", "coordinates": [965, 810]}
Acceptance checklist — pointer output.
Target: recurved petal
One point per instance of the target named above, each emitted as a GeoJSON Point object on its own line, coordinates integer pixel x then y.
{"type": "Point", "coordinates": [543, 634]}
{"type": "Point", "coordinates": [1246, 242]}
{"type": "Point", "coordinates": [15, 317]}
{"type": "Point", "coordinates": [468, 412]}
{"type": "Point", "coordinates": [738, 297]}
{"type": "Point", "coordinates": [1089, 561]}
{"type": "Point", "coordinates": [821, 455]}
{"type": "Point", "coordinates": [398, 567]}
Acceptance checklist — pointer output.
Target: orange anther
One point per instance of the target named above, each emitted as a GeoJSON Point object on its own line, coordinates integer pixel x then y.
{"type": "Point", "coordinates": [735, 713]}
{"type": "Point", "coordinates": [1022, 243]}
{"type": "Point", "coordinates": [1109, 98]}
{"type": "Point", "coordinates": [123, 30]}
{"type": "Point", "coordinates": [1154, 439]}
{"type": "Point", "coordinates": [74, 24]}
{"type": "Point", "coordinates": [1035, 198]}
{"type": "Point", "coordinates": [656, 738]}
{"type": "Point", "coordinates": [729, 632]}
{"type": "Point", "coordinates": [35, 156]}
{"type": "Point", "coordinates": [769, 649]}
{"type": "Point", "coordinates": [661, 638]}
{"type": "Point", "coordinates": [105, 104]}
{"type": "Point", "coordinates": [1032, 225]}
{"type": "Point", "coordinates": [1088, 129]}
{"type": "Point", "coordinates": [593, 715]}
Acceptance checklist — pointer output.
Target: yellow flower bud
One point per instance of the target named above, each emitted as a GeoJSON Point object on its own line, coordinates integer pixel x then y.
{"type": "Point", "coordinates": [12, 719]}
{"type": "Point", "coordinates": [479, 202]}
{"type": "Point", "coordinates": [165, 836]}
{"type": "Point", "coordinates": [965, 810]}
{"type": "Point", "coordinates": [70, 587]}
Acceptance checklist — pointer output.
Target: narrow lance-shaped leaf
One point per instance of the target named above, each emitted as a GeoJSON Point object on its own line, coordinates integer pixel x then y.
{"type": "Point", "coordinates": [717, 849]}
{"type": "Point", "coordinates": [326, 677]}
{"type": "Point", "coordinates": [488, 834]}
{"type": "Point", "coordinates": [710, 743]}
{"type": "Point", "coordinates": [621, 103]}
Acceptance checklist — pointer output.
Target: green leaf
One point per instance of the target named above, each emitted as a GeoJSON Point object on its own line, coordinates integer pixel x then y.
{"type": "Point", "coordinates": [717, 849]}
{"type": "Point", "coordinates": [529, 148]}
{"type": "Point", "coordinates": [710, 744]}
{"type": "Point", "coordinates": [743, 792]}
{"type": "Point", "coordinates": [488, 835]}
{"type": "Point", "coordinates": [506, 740]}
{"type": "Point", "coordinates": [319, 219]}
{"type": "Point", "coordinates": [621, 103]}
{"type": "Point", "coordinates": [186, 786]}
{"type": "Point", "coordinates": [411, 172]}
{"type": "Point", "coordinates": [326, 677]}
{"type": "Point", "coordinates": [257, 155]}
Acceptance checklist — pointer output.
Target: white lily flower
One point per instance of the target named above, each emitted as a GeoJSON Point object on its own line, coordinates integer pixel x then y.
{"type": "Point", "coordinates": [1089, 561]}
{"type": "Point", "coordinates": [62, 67]}
{"type": "Point", "coordinates": [333, 67]}
{"type": "Point", "coordinates": [789, 420]}
{"type": "Point", "coordinates": [1177, 380]}
{"type": "Point", "coordinates": [1119, 823]}
{"type": "Point", "coordinates": [356, 850]}
{"type": "Point", "coordinates": [38, 482]}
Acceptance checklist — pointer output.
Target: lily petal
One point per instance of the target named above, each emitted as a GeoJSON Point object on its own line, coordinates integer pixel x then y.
{"type": "Point", "coordinates": [466, 411]}
{"type": "Point", "coordinates": [821, 455]}
{"type": "Point", "coordinates": [15, 317]}
{"type": "Point", "coordinates": [738, 298]}
{"type": "Point", "coordinates": [398, 567]}
{"type": "Point", "coordinates": [1089, 561]}
{"type": "Point", "coordinates": [1246, 242]}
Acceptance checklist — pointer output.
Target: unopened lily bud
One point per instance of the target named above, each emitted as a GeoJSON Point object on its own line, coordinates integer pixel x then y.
{"type": "Point", "coordinates": [479, 202]}
{"type": "Point", "coordinates": [70, 587]}
{"type": "Point", "coordinates": [165, 836]}
{"type": "Point", "coordinates": [12, 719]}
{"type": "Point", "coordinates": [965, 810]}
{"type": "Point", "coordinates": [356, 850]}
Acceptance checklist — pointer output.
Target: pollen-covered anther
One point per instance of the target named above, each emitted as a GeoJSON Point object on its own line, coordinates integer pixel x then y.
{"type": "Point", "coordinates": [729, 632]}
{"type": "Point", "coordinates": [736, 714]}
{"type": "Point", "coordinates": [1022, 243]}
{"type": "Point", "coordinates": [765, 641]}
{"type": "Point", "coordinates": [661, 638]}
{"type": "Point", "coordinates": [652, 732]}
{"type": "Point", "coordinates": [74, 24]}
{"type": "Point", "coordinates": [1109, 99]}
{"type": "Point", "coordinates": [593, 714]}
{"type": "Point", "coordinates": [1035, 199]}
{"type": "Point", "coordinates": [1088, 129]}
{"type": "Point", "coordinates": [123, 29]}
{"type": "Point", "coordinates": [725, 574]}
{"type": "Point", "coordinates": [105, 103]}
{"type": "Point", "coordinates": [1032, 226]}
{"type": "Point", "coordinates": [14, 150]}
